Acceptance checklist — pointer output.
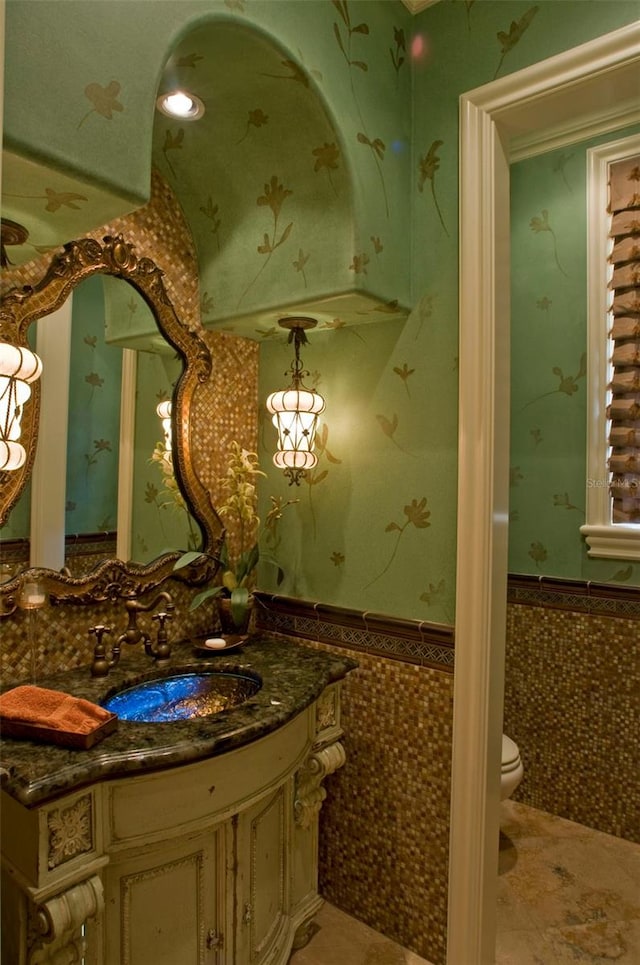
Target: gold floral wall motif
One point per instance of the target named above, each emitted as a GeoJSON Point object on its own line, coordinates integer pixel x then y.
{"type": "Point", "coordinates": [550, 390]}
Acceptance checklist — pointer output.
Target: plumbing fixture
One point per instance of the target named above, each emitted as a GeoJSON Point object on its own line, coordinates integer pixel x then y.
{"type": "Point", "coordinates": [101, 663]}
{"type": "Point", "coordinates": [161, 651]}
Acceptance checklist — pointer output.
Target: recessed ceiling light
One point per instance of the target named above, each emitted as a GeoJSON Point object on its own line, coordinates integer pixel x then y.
{"type": "Point", "coordinates": [179, 104]}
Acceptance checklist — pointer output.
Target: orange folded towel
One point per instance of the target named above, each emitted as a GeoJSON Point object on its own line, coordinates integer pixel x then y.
{"type": "Point", "coordinates": [28, 704]}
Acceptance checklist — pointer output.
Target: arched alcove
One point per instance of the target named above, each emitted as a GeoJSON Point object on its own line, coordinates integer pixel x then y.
{"type": "Point", "coordinates": [265, 182]}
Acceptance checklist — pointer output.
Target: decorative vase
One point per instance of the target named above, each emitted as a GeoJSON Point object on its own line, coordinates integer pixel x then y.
{"type": "Point", "coordinates": [227, 622]}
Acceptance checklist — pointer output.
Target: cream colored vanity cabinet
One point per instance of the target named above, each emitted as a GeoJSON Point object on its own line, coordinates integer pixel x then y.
{"type": "Point", "coordinates": [162, 904]}
{"type": "Point", "coordinates": [211, 863]}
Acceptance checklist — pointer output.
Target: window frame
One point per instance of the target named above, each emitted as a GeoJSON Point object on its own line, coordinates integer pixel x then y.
{"type": "Point", "coordinates": [604, 538]}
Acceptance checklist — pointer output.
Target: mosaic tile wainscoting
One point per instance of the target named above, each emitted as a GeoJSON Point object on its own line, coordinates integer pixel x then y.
{"type": "Point", "coordinates": [384, 826]}
{"type": "Point", "coordinates": [572, 681]}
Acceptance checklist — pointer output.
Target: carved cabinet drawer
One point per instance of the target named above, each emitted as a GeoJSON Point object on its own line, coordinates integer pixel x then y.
{"type": "Point", "coordinates": [154, 806]}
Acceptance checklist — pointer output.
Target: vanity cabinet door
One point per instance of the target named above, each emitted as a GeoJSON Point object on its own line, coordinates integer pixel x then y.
{"type": "Point", "coordinates": [263, 879]}
{"type": "Point", "coordinates": [165, 905]}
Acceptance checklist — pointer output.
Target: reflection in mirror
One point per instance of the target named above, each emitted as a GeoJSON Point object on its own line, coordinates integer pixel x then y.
{"type": "Point", "coordinates": [126, 345]}
{"type": "Point", "coordinates": [93, 433]}
{"type": "Point", "coordinates": [142, 513]}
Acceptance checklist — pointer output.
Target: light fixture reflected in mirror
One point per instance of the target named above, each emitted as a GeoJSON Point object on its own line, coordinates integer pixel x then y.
{"type": "Point", "coordinates": [19, 367]}
{"type": "Point", "coordinates": [163, 409]}
{"type": "Point", "coordinates": [295, 410]}
{"type": "Point", "coordinates": [181, 105]}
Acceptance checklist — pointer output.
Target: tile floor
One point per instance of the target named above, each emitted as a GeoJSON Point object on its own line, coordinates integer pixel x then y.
{"type": "Point", "coordinates": [567, 895]}
{"type": "Point", "coordinates": [341, 940]}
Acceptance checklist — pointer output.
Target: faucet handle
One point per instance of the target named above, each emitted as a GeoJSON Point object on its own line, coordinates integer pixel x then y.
{"type": "Point", "coordinates": [100, 666]}
{"type": "Point", "coordinates": [162, 650]}
{"type": "Point", "coordinates": [163, 615]}
{"type": "Point", "coordinates": [100, 629]}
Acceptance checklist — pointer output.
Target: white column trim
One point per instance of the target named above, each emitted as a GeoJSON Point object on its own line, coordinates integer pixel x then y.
{"type": "Point", "coordinates": [126, 453]}
{"type": "Point", "coordinates": [482, 551]}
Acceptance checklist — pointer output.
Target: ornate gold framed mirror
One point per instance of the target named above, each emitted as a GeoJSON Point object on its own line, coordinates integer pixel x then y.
{"type": "Point", "coordinates": [19, 308]}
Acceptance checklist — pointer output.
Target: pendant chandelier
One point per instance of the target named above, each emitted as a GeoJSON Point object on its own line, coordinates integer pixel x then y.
{"type": "Point", "coordinates": [295, 410]}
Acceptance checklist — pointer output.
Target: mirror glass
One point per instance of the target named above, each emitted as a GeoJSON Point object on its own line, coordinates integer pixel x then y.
{"type": "Point", "coordinates": [110, 479]}
{"type": "Point", "coordinates": [119, 369]}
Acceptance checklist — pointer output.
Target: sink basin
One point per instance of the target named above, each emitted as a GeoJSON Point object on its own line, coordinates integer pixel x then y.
{"type": "Point", "coordinates": [182, 696]}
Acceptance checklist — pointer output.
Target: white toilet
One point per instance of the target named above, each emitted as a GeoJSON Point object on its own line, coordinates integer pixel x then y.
{"type": "Point", "coordinates": [512, 769]}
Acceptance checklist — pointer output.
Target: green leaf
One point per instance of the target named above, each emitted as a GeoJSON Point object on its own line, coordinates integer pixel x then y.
{"type": "Point", "coordinates": [199, 598]}
{"type": "Point", "coordinates": [253, 557]}
{"type": "Point", "coordinates": [239, 603]}
{"type": "Point", "coordinates": [187, 558]}
{"type": "Point", "coordinates": [246, 562]}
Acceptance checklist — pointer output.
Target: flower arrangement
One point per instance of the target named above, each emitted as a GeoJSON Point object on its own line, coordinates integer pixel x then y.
{"type": "Point", "coordinates": [239, 510]}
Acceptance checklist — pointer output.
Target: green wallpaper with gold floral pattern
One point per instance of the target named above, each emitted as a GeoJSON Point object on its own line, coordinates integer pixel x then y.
{"type": "Point", "coordinates": [376, 523]}
{"type": "Point", "coordinates": [373, 525]}
{"type": "Point", "coordinates": [464, 45]}
{"type": "Point", "coordinates": [327, 162]}
{"type": "Point", "coordinates": [550, 392]}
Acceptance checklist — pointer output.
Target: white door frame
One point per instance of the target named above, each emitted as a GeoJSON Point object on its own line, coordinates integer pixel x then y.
{"type": "Point", "coordinates": [588, 90]}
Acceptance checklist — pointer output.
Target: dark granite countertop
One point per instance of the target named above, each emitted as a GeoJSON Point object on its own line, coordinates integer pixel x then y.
{"type": "Point", "coordinates": [292, 675]}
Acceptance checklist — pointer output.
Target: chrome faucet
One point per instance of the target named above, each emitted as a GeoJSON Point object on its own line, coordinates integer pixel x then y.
{"type": "Point", "coordinates": [161, 651]}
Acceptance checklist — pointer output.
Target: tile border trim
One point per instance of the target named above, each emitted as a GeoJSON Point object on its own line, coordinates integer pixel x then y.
{"type": "Point", "coordinates": [432, 644]}
{"type": "Point", "coordinates": [410, 641]}
{"type": "Point", "coordinates": [581, 596]}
